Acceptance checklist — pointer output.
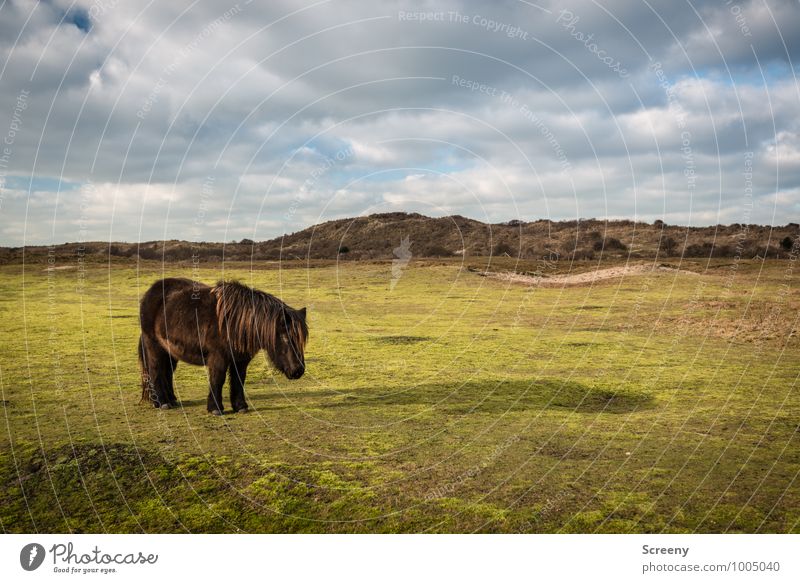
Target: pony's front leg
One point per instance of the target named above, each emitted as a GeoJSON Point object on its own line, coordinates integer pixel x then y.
{"type": "Point", "coordinates": [238, 373]}
{"type": "Point", "coordinates": [216, 379]}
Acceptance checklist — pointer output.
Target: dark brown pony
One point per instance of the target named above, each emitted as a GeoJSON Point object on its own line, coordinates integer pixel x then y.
{"type": "Point", "coordinates": [221, 327]}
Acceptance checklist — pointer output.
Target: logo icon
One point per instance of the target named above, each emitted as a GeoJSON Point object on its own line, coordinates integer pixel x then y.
{"type": "Point", "coordinates": [402, 255]}
{"type": "Point", "coordinates": [31, 556]}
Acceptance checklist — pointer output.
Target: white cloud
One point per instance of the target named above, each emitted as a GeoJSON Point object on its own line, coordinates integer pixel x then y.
{"type": "Point", "coordinates": [153, 102]}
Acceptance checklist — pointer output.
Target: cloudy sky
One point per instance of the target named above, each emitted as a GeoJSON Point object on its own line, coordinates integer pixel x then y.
{"type": "Point", "coordinates": [219, 121]}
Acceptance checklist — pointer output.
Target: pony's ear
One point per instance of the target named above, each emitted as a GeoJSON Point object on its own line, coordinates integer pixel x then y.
{"type": "Point", "coordinates": [302, 312]}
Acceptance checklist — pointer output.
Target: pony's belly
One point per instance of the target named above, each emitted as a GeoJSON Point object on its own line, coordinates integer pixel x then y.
{"type": "Point", "coordinates": [184, 353]}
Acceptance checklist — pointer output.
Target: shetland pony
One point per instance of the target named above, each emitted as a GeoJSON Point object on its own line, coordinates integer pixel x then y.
{"type": "Point", "coordinates": [222, 328]}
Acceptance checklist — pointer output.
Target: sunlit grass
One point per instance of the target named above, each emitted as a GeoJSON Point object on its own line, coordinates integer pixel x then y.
{"type": "Point", "coordinates": [453, 402]}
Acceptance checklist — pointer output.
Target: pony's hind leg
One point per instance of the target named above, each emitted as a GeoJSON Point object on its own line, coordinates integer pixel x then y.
{"type": "Point", "coordinates": [156, 373]}
{"type": "Point", "coordinates": [173, 400]}
{"type": "Point", "coordinates": [238, 373]}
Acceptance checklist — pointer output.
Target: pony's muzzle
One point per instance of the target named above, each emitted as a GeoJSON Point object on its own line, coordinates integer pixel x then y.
{"type": "Point", "coordinates": [296, 373]}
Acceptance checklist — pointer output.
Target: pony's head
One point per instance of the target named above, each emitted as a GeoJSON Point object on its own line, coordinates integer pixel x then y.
{"type": "Point", "coordinates": [288, 350]}
{"type": "Point", "coordinates": [253, 320]}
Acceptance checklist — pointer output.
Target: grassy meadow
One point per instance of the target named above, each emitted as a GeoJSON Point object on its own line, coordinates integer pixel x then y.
{"type": "Point", "coordinates": [660, 402]}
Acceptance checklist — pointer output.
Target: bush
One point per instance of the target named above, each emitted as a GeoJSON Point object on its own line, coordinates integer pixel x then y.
{"type": "Point", "coordinates": [436, 251]}
{"type": "Point", "coordinates": [583, 254]}
{"type": "Point", "coordinates": [610, 244]}
{"type": "Point", "coordinates": [668, 246]}
{"type": "Point", "coordinates": [148, 253]}
{"type": "Point", "coordinates": [708, 249]}
{"type": "Point", "coordinates": [504, 249]}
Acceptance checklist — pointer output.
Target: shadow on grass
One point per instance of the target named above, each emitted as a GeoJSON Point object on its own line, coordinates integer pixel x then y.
{"type": "Point", "coordinates": [395, 340]}
{"type": "Point", "coordinates": [459, 399]}
{"type": "Point", "coordinates": [119, 487]}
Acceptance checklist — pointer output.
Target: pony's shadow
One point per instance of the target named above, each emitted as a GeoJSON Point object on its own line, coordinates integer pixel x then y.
{"type": "Point", "coordinates": [262, 395]}
{"type": "Point", "coordinates": [471, 397]}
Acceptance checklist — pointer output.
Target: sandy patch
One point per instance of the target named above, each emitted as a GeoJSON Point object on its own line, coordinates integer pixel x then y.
{"type": "Point", "coordinates": [586, 278]}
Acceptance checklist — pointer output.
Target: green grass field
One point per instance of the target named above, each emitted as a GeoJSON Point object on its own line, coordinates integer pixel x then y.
{"type": "Point", "coordinates": [453, 403]}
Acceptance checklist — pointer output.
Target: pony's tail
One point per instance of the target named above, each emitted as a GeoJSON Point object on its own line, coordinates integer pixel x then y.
{"type": "Point", "coordinates": [147, 389]}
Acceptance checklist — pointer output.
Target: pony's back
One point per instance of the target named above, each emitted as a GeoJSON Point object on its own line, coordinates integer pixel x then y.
{"type": "Point", "coordinates": [154, 299]}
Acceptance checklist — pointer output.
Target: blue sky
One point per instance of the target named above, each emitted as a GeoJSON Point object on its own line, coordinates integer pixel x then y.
{"type": "Point", "coordinates": [220, 121]}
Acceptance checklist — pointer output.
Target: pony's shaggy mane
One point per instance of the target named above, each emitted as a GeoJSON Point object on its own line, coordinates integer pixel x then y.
{"type": "Point", "coordinates": [251, 319]}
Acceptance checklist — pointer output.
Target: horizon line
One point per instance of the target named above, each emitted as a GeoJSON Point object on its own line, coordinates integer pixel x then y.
{"type": "Point", "coordinates": [507, 223]}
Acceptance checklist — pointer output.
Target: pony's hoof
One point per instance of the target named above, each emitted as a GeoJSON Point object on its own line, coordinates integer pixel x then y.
{"type": "Point", "coordinates": [243, 410]}
{"type": "Point", "coordinates": [166, 406]}
{"type": "Point", "coordinates": [216, 412]}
